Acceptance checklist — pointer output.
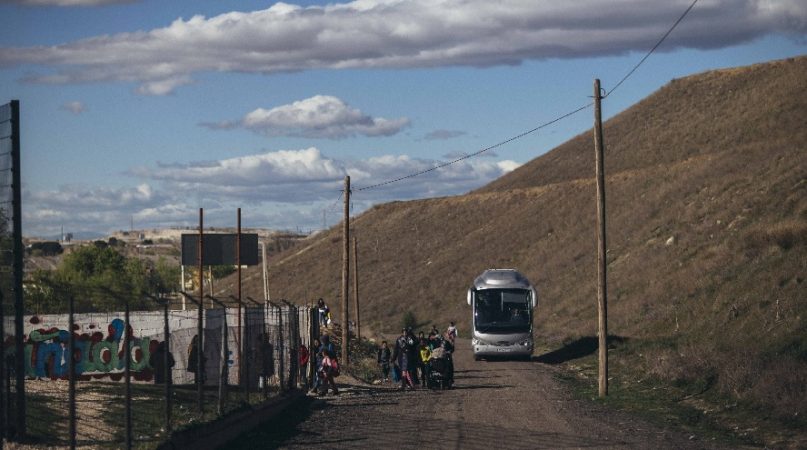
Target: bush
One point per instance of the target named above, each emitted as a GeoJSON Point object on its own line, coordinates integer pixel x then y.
{"type": "Point", "coordinates": [409, 320]}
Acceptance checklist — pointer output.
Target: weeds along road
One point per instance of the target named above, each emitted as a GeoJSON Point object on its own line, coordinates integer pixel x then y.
{"type": "Point", "coordinates": [494, 405]}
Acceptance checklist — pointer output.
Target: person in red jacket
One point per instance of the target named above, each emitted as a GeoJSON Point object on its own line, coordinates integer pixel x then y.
{"type": "Point", "coordinates": [304, 357]}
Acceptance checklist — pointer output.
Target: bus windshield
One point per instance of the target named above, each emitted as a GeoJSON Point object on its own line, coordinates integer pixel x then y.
{"type": "Point", "coordinates": [502, 311]}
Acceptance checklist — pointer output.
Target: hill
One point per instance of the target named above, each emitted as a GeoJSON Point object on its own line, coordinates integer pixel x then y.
{"type": "Point", "coordinates": [706, 185]}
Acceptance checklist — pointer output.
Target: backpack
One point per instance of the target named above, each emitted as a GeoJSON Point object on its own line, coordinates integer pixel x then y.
{"type": "Point", "coordinates": [334, 367]}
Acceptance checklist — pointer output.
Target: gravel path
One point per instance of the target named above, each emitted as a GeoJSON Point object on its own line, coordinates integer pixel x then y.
{"type": "Point", "coordinates": [495, 405]}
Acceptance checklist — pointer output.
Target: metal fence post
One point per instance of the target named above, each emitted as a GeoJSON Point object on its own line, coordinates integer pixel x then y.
{"type": "Point", "coordinates": [168, 374]}
{"type": "Point", "coordinates": [3, 375]}
{"type": "Point", "coordinates": [224, 353]}
{"type": "Point", "coordinates": [127, 375]}
{"type": "Point", "coordinates": [71, 366]}
{"type": "Point", "coordinates": [281, 348]}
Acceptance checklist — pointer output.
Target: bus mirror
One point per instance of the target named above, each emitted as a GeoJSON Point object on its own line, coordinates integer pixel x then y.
{"type": "Point", "coordinates": [470, 296]}
{"type": "Point", "coordinates": [533, 297]}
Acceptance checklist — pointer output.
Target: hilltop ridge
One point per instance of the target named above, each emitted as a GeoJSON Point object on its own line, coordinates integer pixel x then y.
{"type": "Point", "coordinates": [706, 184]}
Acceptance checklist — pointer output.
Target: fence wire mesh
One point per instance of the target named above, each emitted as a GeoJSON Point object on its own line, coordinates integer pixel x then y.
{"type": "Point", "coordinates": [242, 366]}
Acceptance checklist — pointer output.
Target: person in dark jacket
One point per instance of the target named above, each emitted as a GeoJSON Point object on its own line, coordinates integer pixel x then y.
{"type": "Point", "coordinates": [317, 355]}
{"type": "Point", "coordinates": [157, 362]}
{"type": "Point", "coordinates": [264, 359]}
{"type": "Point", "coordinates": [384, 358]}
{"type": "Point", "coordinates": [405, 357]}
{"type": "Point", "coordinates": [193, 361]}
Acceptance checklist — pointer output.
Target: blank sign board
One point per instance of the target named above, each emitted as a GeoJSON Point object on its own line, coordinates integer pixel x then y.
{"type": "Point", "coordinates": [219, 249]}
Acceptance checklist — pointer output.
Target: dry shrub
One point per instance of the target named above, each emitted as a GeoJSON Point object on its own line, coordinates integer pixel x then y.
{"type": "Point", "coordinates": [689, 366]}
{"type": "Point", "coordinates": [785, 235]}
{"type": "Point", "coordinates": [782, 387]}
{"type": "Point", "coordinates": [739, 372]}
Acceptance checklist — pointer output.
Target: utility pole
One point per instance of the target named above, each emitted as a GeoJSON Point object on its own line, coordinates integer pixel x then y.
{"type": "Point", "coordinates": [602, 293]}
{"type": "Point", "coordinates": [200, 368]}
{"type": "Point", "coordinates": [346, 272]}
{"type": "Point", "coordinates": [239, 337]}
{"type": "Point", "coordinates": [356, 286]}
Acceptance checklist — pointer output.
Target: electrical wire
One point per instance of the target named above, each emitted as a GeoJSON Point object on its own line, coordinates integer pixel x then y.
{"type": "Point", "coordinates": [630, 72]}
{"type": "Point", "coordinates": [479, 152]}
{"type": "Point", "coordinates": [557, 119]}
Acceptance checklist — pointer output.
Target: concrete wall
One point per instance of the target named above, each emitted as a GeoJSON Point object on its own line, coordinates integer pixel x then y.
{"type": "Point", "coordinates": [99, 343]}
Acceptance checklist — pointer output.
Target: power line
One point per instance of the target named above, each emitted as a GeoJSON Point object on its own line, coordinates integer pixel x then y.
{"type": "Point", "coordinates": [471, 155]}
{"type": "Point", "coordinates": [519, 136]}
{"type": "Point", "coordinates": [630, 72]}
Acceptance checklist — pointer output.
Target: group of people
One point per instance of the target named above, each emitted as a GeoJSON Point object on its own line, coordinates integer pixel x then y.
{"type": "Point", "coordinates": [326, 366]}
{"type": "Point", "coordinates": [413, 358]}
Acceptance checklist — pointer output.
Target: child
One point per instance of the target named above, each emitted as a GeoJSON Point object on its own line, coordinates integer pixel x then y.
{"type": "Point", "coordinates": [384, 356]}
{"type": "Point", "coordinates": [425, 355]}
{"type": "Point", "coordinates": [327, 372]}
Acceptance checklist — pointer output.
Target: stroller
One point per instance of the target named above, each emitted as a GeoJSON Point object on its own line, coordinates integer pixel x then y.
{"type": "Point", "coordinates": [441, 372]}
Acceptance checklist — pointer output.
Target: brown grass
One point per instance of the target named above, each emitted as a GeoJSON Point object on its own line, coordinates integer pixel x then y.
{"type": "Point", "coordinates": [707, 220]}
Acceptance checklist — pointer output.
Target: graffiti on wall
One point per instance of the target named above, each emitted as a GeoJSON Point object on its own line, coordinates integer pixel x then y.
{"type": "Point", "coordinates": [96, 355]}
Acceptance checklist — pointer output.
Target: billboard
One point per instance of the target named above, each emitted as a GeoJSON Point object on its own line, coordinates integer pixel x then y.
{"type": "Point", "coordinates": [219, 249]}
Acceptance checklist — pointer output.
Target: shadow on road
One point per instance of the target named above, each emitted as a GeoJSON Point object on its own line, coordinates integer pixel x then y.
{"type": "Point", "coordinates": [577, 349]}
{"type": "Point", "coordinates": [284, 428]}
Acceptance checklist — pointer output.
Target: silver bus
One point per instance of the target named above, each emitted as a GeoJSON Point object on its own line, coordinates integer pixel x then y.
{"type": "Point", "coordinates": [502, 301]}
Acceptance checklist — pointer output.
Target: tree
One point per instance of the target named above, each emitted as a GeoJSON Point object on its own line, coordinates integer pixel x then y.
{"type": "Point", "coordinates": [409, 320]}
{"type": "Point", "coordinates": [48, 248]}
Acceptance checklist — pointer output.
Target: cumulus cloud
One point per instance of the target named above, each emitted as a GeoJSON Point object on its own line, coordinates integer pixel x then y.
{"type": "Point", "coordinates": [321, 116]}
{"type": "Point", "coordinates": [279, 187]}
{"type": "Point", "coordinates": [75, 107]}
{"type": "Point", "coordinates": [400, 34]}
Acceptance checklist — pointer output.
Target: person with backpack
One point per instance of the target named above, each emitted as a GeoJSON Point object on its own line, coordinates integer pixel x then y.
{"type": "Point", "coordinates": [330, 370]}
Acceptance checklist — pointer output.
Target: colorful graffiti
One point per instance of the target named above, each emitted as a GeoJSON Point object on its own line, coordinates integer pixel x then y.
{"type": "Point", "coordinates": [95, 355]}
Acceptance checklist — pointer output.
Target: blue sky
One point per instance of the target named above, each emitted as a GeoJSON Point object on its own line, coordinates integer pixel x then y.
{"type": "Point", "coordinates": [145, 111]}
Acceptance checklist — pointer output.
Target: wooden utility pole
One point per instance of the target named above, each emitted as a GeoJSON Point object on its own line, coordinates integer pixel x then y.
{"type": "Point", "coordinates": [346, 273]}
{"type": "Point", "coordinates": [239, 337]}
{"type": "Point", "coordinates": [602, 293]}
{"type": "Point", "coordinates": [356, 286]}
{"type": "Point", "coordinates": [200, 368]}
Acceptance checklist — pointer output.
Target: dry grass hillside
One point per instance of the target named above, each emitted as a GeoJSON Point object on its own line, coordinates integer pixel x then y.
{"type": "Point", "coordinates": [707, 240]}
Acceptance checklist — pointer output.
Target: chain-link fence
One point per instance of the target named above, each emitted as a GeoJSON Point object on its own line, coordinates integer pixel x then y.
{"type": "Point", "coordinates": [12, 404]}
{"type": "Point", "coordinates": [105, 404]}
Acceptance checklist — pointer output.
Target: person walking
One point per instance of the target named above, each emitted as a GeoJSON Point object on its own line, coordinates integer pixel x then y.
{"type": "Point", "coordinates": [384, 357]}
{"type": "Point", "coordinates": [157, 362]}
{"type": "Point", "coordinates": [324, 313]}
{"type": "Point", "coordinates": [452, 331]}
{"type": "Point", "coordinates": [193, 361]}
{"type": "Point", "coordinates": [315, 350]}
{"type": "Point", "coordinates": [423, 363]}
{"type": "Point", "coordinates": [304, 356]}
{"type": "Point", "coordinates": [330, 369]}
{"type": "Point", "coordinates": [404, 357]}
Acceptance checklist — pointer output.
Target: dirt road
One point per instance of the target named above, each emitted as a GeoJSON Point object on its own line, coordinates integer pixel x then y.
{"type": "Point", "coordinates": [494, 405]}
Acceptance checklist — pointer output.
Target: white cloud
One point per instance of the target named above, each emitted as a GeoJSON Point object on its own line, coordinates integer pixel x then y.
{"type": "Point", "coordinates": [401, 34]}
{"type": "Point", "coordinates": [278, 187]}
{"type": "Point", "coordinates": [321, 116]}
{"type": "Point", "coordinates": [75, 107]}
{"type": "Point", "coordinates": [163, 86]}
